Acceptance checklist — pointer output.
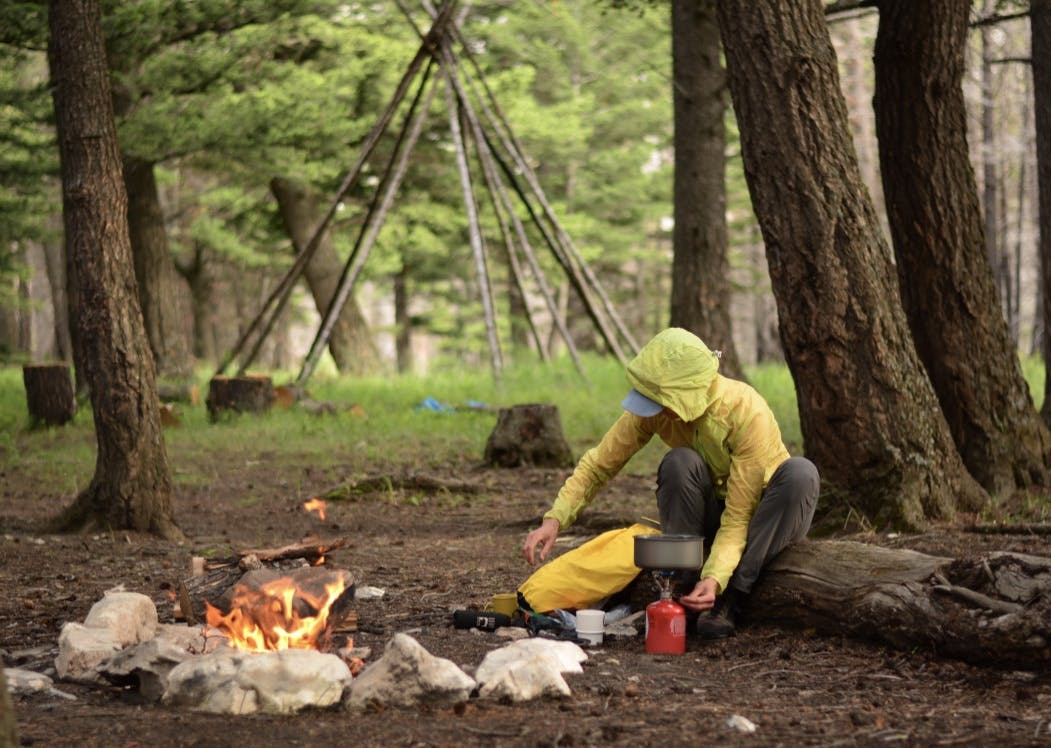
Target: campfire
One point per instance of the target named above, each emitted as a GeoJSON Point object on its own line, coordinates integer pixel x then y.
{"type": "Point", "coordinates": [278, 615]}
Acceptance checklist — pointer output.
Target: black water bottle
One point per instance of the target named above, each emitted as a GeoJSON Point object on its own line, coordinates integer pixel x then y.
{"type": "Point", "coordinates": [480, 619]}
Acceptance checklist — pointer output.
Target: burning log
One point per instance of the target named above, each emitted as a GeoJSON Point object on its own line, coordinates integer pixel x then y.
{"type": "Point", "coordinates": [213, 579]}
{"type": "Point", "coordinates": [269, 611]}
{"type": "Point", "coordinates": [49, 393]}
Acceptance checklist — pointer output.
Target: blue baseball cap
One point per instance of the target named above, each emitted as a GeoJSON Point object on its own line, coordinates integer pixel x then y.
{"type": "Point", "coordinates": [640, 405]}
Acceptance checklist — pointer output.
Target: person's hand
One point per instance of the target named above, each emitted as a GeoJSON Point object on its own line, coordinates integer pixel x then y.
{"type": "Point", "coordinates": [539, 542]}
{"type": "Point", "coordinates": [702, 597]}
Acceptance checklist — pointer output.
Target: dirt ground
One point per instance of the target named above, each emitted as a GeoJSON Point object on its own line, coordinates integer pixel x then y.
{"type": "Point", "coordinates": [435, 552]}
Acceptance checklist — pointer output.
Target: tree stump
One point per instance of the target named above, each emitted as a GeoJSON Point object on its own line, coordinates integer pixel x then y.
{"type": "Point", "coordinates": [991, 610]}
{"type": "Point", "coordinates": [49, 393]}
{"type": "Point", "coordinates": [248, 394]}
{"type": "Point", "coordinates": [529, 434]}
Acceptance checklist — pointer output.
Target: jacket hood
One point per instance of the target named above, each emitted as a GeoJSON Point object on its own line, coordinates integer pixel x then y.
{"type": "Point", "coordinates": [676, 369]}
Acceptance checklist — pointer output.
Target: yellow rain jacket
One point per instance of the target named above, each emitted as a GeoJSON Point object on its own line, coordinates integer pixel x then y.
{"type": "Point", "coordinates": [726, 421]}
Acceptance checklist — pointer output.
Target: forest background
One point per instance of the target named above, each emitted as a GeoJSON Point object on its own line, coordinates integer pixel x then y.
{"type": "Point", "coordinates": [279, 102]}
{"type": "Point", "coordinates": [234, 122]}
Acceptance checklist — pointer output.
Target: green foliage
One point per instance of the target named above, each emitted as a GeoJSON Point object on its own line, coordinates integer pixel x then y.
{"type": "Point", "coordinates": [1035, 371]}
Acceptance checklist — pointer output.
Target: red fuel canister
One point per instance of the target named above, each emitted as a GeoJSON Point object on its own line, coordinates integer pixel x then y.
{"type": "Point", "coordinates": [665, 627]}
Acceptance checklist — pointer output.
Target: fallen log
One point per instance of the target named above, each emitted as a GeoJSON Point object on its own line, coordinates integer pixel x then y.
{"type": "Point", "coordinates": [994, 609]}
{"type": "Point", "coordinates": [310, 550]}
{"type": "Point", "coordinates": [387, 483]}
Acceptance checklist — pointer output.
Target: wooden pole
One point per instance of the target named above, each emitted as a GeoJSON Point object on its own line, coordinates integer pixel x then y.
{"type": "Point", "coordinates": [281, 294]}
{"type": "Point", "coordinates": [371, 226]}
{"type": "Point", "coordinates": [514, 148]}
{"type": "Point", "coordinates": [500, 197]}
{"type": "Point", "coordinates": [473, 228]}
{"type": "Point", "coordinates": [577, 279]}
{"type": "Point", "coordinates": [509, 241]}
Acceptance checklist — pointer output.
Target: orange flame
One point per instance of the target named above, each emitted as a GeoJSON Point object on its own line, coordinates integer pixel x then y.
{"type": "Point", "coordinates": [277, 615]}
{"type": "Point", "coordinates": [315, 505]}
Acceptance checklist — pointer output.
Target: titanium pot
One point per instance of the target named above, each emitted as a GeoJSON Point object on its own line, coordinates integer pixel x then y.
{"type": "Point", "coordinates": [669, 552]}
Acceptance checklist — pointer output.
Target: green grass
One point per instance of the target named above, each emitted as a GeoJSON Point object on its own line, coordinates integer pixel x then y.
{"type": "Point", "coordinates": [392, 430]}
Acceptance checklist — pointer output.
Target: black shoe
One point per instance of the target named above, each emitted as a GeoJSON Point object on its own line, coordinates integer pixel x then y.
{"type": "Point", "coordinates": [721, 621]}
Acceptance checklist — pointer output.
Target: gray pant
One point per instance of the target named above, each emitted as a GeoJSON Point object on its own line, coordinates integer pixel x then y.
{"type": "Point", "coordinates": [689, 506]}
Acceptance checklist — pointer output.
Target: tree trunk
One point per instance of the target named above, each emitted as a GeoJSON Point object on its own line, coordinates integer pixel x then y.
{"type": "Point", "coordinates": [528, 434]}
{"type": "Point", "coordinates": [351, 343]}
{"type": "Point", "coordinates": [869, 416]}
{"type": "Point", "coordinates": [131, 488]}
{"type": "Point", "coordinates": [248, 394]}
{"type": "Point", "coordinates": [990, 181]}
{"type": "Point", "coordinates": [55, 263]}
{"type": "Point", "coordinates": [198, 275]}
{"type": "Point", "coordinates": [990, 610]}
{"type": "Point", "coordinates": [8, 723]}
{"type": "Point", "coordinates": [936, 222]}
{"type": "Point", "coordinates": [163, 307]}
{"type": "Point", "coordinates": [1040, 22]}
{"type": "Point", "coordinates": [700, 288]}
{"type": "Point", "coordinates": [49, 394]}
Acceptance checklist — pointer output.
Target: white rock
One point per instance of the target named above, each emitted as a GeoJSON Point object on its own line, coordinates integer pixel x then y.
{"type": "Point", "coordinates": [514, 633]}
{"type": "Point", "coordinates": [26, 681]}
{"type": "Point", "coordinates": [369, 593]}
{"type": "Point", "coordinates": [274, 682]}
{"type": "Point", "coordinates": [567, 657]}
{"type": "Point", "coordinates": [82, 649]}
{"type": "Point", "coordinates": [529, 678]}
{"type": "Point", "coordinates": [407, 674]}
{"type": "Point", "coordinates": [742, 724]}
{"type": "Point", "coordinates": [131, 616]}
{"type": "Point", "coordinates": [287, 681]}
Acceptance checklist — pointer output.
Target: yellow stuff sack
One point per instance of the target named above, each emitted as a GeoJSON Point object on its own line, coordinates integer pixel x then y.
{"type": "Point", "coordinates": [584, 576]}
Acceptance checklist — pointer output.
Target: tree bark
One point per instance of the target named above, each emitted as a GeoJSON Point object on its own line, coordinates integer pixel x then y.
{"type": "Point", "coordinates": [1040, 24]}
{"type": "Point", "coordinates": [163, 307]}
{"type": "Point", "coordinates": [55, 263]}
{"type": "Point", "coordinates": [248, 394]}
{"type": "Point", "coordinates": [529, 434]}
{"type": "Point", "coordinates": [936, 223]}
{"type": "Point", "coordinates": [700, 288]}
{"type": "Point", "coordinates": [199, 275]}
{"type": "Point", "coordinates": [869, 416]}
{"type": "Point", "coordinates": [49, 393]}
{"type": "Point", "coordinates": [351, 343]}
{"type": "Point", "coordinates": [131, 488]}
{"type": "Point", "coordinates": [991, 610]}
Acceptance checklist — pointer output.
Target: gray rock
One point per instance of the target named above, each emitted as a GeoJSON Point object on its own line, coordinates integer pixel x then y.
{"type": "Point", "coordinates": [81, 650]}
{"type": "Point", "coordinates": [406, 675]}
{"type": "Point", "coordinates": [145, 666]}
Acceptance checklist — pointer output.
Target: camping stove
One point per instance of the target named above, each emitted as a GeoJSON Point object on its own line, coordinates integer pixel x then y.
{"type": "Point", "coordinates": [665, 555]}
